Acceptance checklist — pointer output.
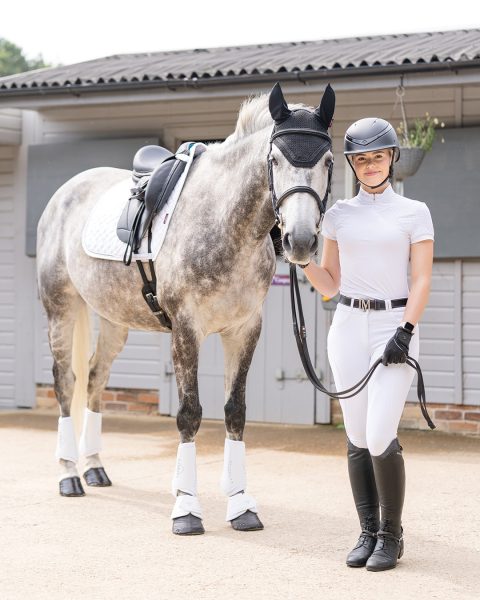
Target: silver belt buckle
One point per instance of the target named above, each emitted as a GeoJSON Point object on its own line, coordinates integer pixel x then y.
{"type": "Point", "coordinates": [364, 303]}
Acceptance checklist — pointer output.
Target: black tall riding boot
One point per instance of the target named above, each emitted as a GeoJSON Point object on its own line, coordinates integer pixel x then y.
{"type": "Point", "coordinates": [362, 480]}
{"type": "Point", "coordinates": [389, 472]}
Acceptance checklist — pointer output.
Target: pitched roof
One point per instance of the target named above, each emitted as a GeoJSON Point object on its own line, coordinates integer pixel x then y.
{"type": "Point", "coordinates": [260, 60]}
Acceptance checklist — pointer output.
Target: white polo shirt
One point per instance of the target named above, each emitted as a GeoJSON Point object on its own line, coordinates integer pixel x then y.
{"type": "Point", "coordinates": [374, 233]}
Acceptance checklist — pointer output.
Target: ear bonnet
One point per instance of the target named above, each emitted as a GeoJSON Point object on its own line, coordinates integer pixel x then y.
{"type": "Point", "coordinates": [308, 139]}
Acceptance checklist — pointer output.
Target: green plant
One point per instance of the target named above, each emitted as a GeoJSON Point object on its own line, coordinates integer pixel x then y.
{"type": "Point", "coordinates": [421, 134]}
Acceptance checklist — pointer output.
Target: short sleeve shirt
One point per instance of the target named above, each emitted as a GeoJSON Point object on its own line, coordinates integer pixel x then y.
{"type": "Point", "coordinates": [374, 233]}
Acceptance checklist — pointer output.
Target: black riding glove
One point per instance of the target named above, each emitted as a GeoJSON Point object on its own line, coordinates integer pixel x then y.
{"type": "Point", "coordinates": [396, 350]}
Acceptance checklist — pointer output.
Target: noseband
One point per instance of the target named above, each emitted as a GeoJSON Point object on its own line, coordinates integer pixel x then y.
{"type": "Point", "coordinates": [276, 202]}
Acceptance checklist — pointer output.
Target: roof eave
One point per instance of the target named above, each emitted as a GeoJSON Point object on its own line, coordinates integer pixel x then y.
{"type": "Point", "coordinates": [11, 96]}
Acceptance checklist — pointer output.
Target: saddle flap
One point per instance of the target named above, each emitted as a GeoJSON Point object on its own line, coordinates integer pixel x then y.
{"type": "Point", "coordinates": [160, 186]}
{"type": "Point", "coordinates": [128, 218]}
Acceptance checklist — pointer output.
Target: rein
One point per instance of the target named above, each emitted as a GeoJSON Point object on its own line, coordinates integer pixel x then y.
{"type": "Point", "coordinates": [300, 333]}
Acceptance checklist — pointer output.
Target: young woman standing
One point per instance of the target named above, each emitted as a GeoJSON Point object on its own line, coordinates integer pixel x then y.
{"type": "Point", "coordinates": [369, 241]}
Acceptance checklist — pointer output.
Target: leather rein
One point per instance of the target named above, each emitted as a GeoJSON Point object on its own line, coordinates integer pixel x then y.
{"type": "Point", "coordinates": [298, 320]}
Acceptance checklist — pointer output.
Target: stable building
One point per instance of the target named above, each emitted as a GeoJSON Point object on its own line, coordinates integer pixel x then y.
{"type": "Point", "coordinates": [59, 121]}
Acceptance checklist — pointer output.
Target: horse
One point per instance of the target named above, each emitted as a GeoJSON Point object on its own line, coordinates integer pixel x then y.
{"type": "Point", "coordinates": [213, 272]}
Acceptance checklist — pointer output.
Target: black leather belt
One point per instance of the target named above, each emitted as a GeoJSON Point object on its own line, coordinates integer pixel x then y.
{"type": "Point", "coordinates": [371, 303]}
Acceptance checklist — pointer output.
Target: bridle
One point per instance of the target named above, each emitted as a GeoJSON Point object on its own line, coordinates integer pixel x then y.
{"type": "Point", "coordinates": [276, 202]}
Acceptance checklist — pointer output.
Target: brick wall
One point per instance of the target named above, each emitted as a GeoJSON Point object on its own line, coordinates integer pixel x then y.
{"type": "Point", "coordinates": [452, 418]}
{"type": "Point", "coordinates": [113, 400]}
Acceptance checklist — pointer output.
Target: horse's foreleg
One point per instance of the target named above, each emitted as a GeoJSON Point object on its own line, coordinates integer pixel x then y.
{"type": "Point", "coordinates": [187, 513]}
{"type": "Point", "coordinates": [111, 340]}
{"type": "Point", "coordinates": [239, 345]}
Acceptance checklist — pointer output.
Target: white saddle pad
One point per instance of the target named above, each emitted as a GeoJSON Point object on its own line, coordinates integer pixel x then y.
{"type": "Point", "coordinates": [99, 237]}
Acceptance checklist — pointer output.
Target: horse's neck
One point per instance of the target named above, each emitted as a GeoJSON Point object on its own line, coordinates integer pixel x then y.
{"type": "Point", "coordinates": [242, 171]}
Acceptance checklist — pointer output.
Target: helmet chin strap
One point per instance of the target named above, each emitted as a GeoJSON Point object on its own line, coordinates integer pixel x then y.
{"type": "Point", "coordinates": [374, 187]}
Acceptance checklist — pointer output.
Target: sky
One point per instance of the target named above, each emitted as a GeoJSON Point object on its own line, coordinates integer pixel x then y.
{"type": "Point", "coordinates": [69, 32]}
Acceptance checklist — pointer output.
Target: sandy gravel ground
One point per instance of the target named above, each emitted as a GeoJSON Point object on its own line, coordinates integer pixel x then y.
{"type": "Point", "coordinates": [117, 542]}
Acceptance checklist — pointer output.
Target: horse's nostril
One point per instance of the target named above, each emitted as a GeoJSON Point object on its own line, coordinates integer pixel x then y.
{"type": "Point", "coordinates": [286, 242]}
{"type": "Point", "coordinates": [313, 243]}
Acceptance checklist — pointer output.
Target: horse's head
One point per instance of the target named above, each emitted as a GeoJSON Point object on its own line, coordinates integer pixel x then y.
{"type": "Point", "coordinates": [300, 163]}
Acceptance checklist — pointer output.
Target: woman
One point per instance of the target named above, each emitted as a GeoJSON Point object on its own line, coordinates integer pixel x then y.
{"type": "Point", "coordinates": [369, 241]}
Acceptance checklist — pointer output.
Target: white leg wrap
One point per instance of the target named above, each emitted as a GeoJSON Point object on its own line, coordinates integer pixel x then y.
{"type": "Point", "coordinates": [239, 504]}
{"type": "Point", "coordinates": [90, 440]}
{"type": "Point", "coordinates": [234, 480]}
{"type": "Point", "coordinates": [185, 505]}
{"type": "Point", "coordinates": [234, 477]}
{"type": "Point", "coordinates": [185, 476]}
{"type": "Point", "coordinates": [66, 442]}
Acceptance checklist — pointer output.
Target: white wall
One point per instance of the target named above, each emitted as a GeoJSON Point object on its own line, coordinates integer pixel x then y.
{"type": "Point", "coordinates": [7, 279]}
{"type": "Point", "coordinates": [10, 126]}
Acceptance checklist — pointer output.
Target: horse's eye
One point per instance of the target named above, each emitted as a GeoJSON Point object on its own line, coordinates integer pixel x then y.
{"type": "Point", "coordinates": [274, 161]}
{"type": "Point", "coordinates": [328, 162]}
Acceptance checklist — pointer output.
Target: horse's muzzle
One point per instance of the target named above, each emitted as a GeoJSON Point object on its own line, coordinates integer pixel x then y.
{"type": "Point", "coordinates": [299, 248]}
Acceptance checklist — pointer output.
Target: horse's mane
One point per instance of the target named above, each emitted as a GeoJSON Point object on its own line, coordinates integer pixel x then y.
{"type": "Point", "coordinates": [254, 115]}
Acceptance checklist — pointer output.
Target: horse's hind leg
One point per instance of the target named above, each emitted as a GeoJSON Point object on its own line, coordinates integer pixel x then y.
{"type": "Point", "coordinates": [61, 322]}
{"type": "Point", "coordinates": [111, 340]}
{"type": "Point", "coordinates": [239, 345]}
{"type": "Point", "coordinates": [187, 513]}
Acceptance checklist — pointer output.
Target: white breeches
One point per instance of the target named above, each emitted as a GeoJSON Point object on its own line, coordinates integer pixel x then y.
{"type": "Point", "coordinates": [355, 341]}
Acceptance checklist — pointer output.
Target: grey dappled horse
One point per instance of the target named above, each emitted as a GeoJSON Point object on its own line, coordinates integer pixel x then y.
{"type": "Point", "coordinates": [213, 273]}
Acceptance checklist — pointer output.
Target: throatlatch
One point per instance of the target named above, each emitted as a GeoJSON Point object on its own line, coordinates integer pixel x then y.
{"type": "Point", "coordinates": [234, 480]}
{"type": "Point", "coordinates": [185, 480]}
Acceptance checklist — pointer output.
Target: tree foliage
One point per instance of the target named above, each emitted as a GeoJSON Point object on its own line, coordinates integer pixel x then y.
{"type": "Point", "coordinates": [12, 59]}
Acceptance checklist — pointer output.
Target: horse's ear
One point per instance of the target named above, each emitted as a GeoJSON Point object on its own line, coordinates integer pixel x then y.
{"type": "Point", "coordinates": [327, 107]}
{"type": "Point", "coordinates": [278, 107]}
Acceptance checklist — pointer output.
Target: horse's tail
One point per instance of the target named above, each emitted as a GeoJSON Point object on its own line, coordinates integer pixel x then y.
{"type": "Point", "coordinates": [81, 351]}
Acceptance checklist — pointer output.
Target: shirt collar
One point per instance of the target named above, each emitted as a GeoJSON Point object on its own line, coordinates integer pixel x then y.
{"type": "Point", "coordinates": [385, 196]}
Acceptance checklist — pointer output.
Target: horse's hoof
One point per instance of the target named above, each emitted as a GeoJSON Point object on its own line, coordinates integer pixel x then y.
{"type": "Point", "coordinates": [71, 486]}
{"type": "Point", "coordinates": [97, 477]}
{"type": "Point", "coordinates": [249, 521]}
{"type": "Point", "coordinates": [188, 525]}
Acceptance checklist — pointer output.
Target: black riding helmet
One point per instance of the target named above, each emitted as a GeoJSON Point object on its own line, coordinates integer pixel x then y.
{"type": "Point", "coordinates": [368, 135]}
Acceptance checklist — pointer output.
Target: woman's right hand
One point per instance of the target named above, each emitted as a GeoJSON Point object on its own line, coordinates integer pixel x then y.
{"type": "Point", "coordinates": [325, 278]}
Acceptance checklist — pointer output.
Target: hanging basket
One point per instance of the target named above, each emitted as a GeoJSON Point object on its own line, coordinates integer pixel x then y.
{"type": "Point", "coordinates": [408, 163]}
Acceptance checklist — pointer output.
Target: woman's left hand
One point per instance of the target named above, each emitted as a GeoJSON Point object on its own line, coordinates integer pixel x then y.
{"type": "Point", "coordinates": [396, 350]}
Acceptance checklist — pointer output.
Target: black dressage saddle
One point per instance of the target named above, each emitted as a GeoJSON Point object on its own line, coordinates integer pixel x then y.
{"type": "Point", "coordinates": [156, 171]}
